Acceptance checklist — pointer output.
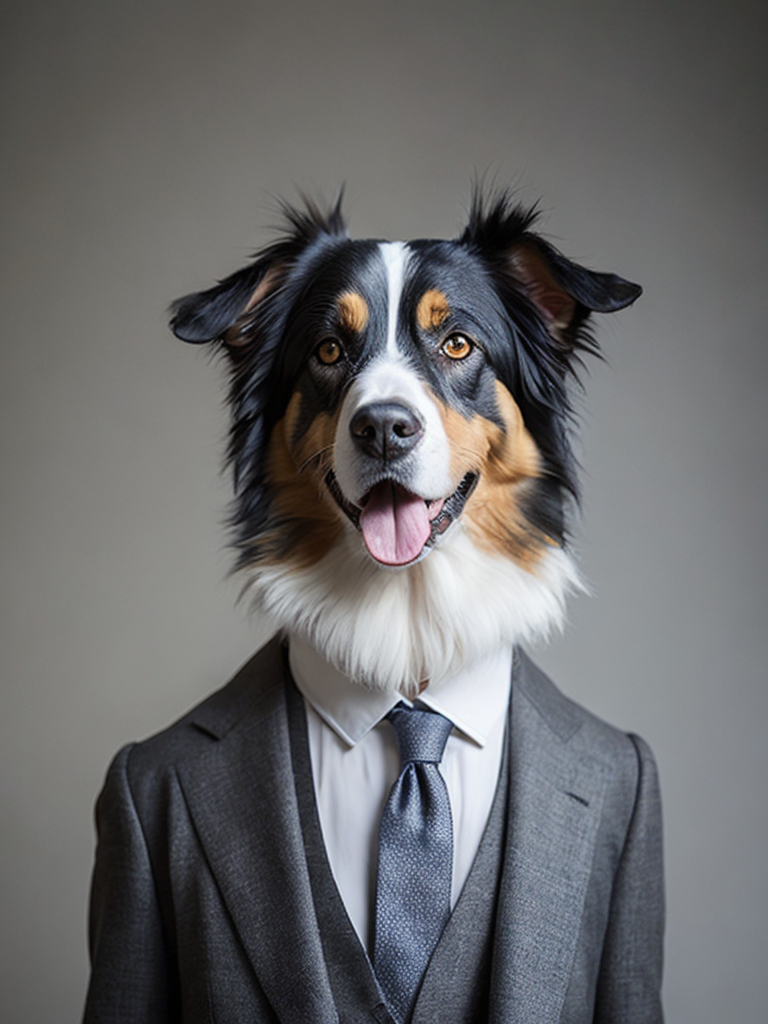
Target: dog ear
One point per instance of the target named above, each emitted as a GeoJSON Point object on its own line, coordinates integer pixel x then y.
{"type": "Point", "coordinates": [220, 313]}
{"type": "Point", "coordinates": [228, 312]}
{"type": "Point", "coordinates": [563, 292]}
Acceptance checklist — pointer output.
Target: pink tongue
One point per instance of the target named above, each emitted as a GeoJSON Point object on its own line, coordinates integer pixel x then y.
{"type": "Point", "coordinates": [395, 524]}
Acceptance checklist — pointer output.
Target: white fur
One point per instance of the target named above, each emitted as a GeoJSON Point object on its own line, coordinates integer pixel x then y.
{"type": "Point", "coordinates": [395, 256]}
{"type": "Point", "coordinates": [426, 470]}
{"type": "Point", "coordinates": [392, 629]}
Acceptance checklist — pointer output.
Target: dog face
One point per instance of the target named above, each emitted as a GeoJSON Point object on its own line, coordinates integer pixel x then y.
{"type": "Point", "coordinates": [397, 402]}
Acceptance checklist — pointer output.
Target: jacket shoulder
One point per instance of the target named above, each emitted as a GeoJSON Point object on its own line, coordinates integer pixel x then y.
{"type": "Point", "coordinates": [254, 692]}
{"type": "Point", "coordinates": [576, 725]}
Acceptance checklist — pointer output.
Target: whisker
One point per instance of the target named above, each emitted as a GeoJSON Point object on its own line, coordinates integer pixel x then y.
{"type": "Point", "coordinates": [315, 455]}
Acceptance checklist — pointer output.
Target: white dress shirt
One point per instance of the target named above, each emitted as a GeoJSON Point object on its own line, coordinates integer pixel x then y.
{"type": "Point", "coordinates": [355, 762]}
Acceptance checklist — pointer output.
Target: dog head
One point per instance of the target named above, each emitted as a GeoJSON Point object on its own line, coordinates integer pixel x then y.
{"type": "Point", "coordinates": [401, 428]}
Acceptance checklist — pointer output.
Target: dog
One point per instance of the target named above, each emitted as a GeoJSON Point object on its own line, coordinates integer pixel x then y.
{"type": "Point", "coordinates": [400, 439]}
{"type": "Point", "coordinates": [404, 482]}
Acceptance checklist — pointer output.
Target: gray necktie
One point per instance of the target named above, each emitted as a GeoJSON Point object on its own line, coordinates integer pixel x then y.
{"type": "Point", "coordinates": [413, 892]}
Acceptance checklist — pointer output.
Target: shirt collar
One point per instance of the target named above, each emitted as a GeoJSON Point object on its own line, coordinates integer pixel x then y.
{"type": "Point", "coordinates": [474, 699]}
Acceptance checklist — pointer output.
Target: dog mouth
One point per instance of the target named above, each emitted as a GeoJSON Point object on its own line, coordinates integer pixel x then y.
{"type": "Point", "coordinates": [399, 527]}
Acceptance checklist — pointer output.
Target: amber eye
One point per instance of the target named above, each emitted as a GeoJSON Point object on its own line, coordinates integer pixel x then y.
{"type": "Point", "coordinates": [328, 351]}
{"type": "Point", "coordinates": [457, 346]}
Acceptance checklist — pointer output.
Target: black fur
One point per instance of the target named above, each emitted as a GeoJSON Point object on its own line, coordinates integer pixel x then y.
{"type": "Point", "coordinates": [270, 347]}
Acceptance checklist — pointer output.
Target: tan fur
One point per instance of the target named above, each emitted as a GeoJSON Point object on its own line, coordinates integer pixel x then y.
{"type": "Point", "coordinates": [508, 462]}
{"type": "Point", "coordinates": [238, 333]}
{"type": "Point", "coordinates": [353, 310]}
{"type": "Point", "coordinates": [296, 473]}
{"type": "Point", "coordinates": [433, 309]}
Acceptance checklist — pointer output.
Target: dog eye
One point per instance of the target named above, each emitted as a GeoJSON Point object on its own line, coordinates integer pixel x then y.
{"type": "Point", "coordinates": [329, 351]}
{"type": "Point", "coordinates": [457, 346]}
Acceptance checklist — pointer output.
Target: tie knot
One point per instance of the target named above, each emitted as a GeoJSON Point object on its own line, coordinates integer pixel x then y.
{"type": "Point", "coordinates": [421, 735]}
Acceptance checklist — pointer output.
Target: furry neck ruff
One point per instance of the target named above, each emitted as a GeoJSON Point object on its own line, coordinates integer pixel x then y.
{"type": "Point", "coordinates": [400, 435]}
{"type": "Point", "coordinates": [394, 629]}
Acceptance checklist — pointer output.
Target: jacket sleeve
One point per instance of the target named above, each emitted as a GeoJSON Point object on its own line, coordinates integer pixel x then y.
{"type": "Point", "coordinates": [132, 976]}
{"type": "Point", "coordinates": [629, 985]}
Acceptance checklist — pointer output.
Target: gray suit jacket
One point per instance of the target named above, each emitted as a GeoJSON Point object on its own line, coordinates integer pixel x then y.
{"type": "Point", "coordinates": [201, 904]}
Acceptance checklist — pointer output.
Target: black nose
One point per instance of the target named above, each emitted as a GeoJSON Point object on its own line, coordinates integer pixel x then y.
{"type": "Point", "coordinates": [386, 430]}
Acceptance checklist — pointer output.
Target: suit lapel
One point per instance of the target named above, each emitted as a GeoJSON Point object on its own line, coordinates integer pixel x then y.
{"type": "Point", "coordinates": [242, 799]}
{"type": "Point", "coordinates": [554, 813]}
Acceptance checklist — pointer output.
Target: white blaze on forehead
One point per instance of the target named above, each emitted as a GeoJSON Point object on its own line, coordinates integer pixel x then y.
{"type": "Point", "coordinates": [395, 256]}
{"type": "Point", "coordinates": [426, 470]}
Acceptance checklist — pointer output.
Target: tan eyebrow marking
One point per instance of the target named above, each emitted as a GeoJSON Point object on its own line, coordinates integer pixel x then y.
{"type": "Point", "coordinates": [432, 310]}
{"type": "Point", "coordinates": [353, 310]}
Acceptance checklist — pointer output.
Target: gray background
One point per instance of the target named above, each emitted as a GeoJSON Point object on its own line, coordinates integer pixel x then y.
{"type": "Point", "coordinates": [141, 145]}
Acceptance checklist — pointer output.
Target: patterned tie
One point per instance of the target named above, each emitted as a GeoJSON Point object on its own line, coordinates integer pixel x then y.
{"type": "Point", "coordinates": [413, 894]}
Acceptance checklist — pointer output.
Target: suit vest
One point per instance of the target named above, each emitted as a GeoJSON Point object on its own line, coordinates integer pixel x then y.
{"type": "Point", "coordinates": [456, 985]}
